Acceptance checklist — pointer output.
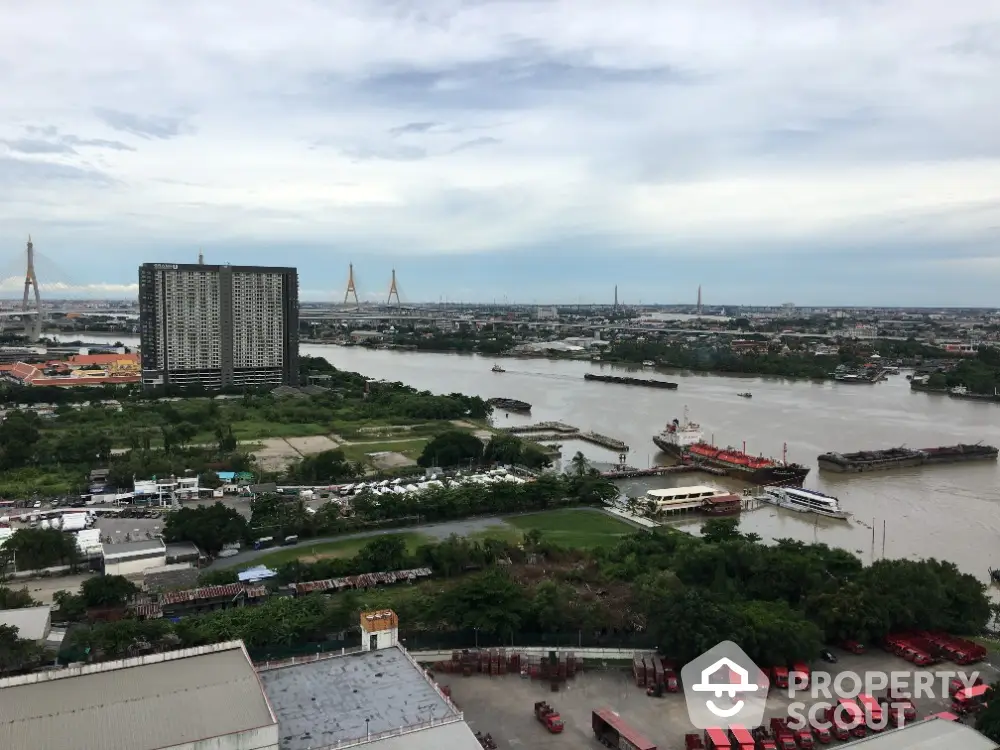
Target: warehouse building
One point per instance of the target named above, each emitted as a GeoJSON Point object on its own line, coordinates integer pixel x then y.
{"type": "Point", "coordinates": [133, 558]}
{"type": "Point", "coordinates": [206, 697]}
{"type": "Point", "coordinates": [379, 698]}
{"type": "Point", "coordinates": [934, 734]}
{"type": "Point", "coordinates": [32, 623]}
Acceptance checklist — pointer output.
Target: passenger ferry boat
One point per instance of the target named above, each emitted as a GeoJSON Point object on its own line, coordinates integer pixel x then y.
{"type": "Point", "coordinates": [711, 500]}
{"type": "Point", "coordinates": [804, 501]}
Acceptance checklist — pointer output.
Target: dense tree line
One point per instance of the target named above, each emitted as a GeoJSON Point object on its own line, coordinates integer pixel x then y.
{"type": "Point", "coordinates": [780, 602]}
{"type": "Point", "coordinates": [722, 359]}
{"type": "Point", "coordinates": [980, 374]}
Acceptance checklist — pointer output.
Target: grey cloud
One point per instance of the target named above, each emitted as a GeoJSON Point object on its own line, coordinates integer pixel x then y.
{"type": "Point", "coordinates": [476, 143]}
{"type": "Point", "coordinates": [37, 173]}
{"type": "Point", "coordinates": [413, 127]}
{"type": "Point", "coordinates": [144, 126]}
{"type": "Point", "coordinates": [513, 83]}
{"type": "Point", "coordinates": [37, 146]}
{"type": "Point", "coordinates": [47, 140]}
{"type": "Point", "coordinates": [96, 143]}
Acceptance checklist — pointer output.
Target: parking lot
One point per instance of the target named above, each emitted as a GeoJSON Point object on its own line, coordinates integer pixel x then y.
{"type": "Point", "coordinates": [503, 706]}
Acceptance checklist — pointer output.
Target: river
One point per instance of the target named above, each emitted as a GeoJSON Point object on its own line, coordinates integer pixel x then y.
{"type": "Point", "coordinates": [948, 512]}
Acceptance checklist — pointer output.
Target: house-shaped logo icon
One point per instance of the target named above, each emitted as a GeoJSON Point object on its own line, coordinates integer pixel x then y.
{"type": "Point", "coordinates": [723, 688]}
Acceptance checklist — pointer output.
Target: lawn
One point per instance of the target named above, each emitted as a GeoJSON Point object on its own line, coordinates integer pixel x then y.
{"type": "Point", "coordinates": [409, 448]}
{"type": "Point", "coordinates": [583, 529]}
{"type": "Point", "coordinates": [254, 429]}
{"type": "Point", "coordinates": [337, 549]}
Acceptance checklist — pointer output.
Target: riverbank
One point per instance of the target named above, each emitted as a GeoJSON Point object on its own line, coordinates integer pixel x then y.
{"type": "Point", "coordinates": [951, 512]}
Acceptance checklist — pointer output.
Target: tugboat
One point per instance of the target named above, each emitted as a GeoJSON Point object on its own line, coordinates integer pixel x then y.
{"type": "Point", "coordinates": [745, 395]}
{"type": "Point", "coordinates": [498, 368]}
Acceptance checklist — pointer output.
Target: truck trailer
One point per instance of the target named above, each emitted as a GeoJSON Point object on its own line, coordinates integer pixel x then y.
{"type": "Point", "coordinates": [612, 732]}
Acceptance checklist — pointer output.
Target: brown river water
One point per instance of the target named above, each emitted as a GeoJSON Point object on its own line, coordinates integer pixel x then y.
{"type": "Point", "coordinates": [948, 512]}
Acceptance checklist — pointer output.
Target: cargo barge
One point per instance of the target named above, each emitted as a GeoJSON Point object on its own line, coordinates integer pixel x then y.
{"type": "Point", "coordinates": [509, 404]}
{"type": "Point", "coordinates": [631, 381]}
{"type": "Point", "coordinates": [900, 458]}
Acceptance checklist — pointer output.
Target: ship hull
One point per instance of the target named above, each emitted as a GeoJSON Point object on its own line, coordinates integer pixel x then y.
{"type": "Point", "coordinates": [851, 467]}
{"type": "Point", "coordinates": [792, 475]}
{"type": "Point", "coordinates": [926, 458]}
{"type": "Point", "coordinates": [669, 448]}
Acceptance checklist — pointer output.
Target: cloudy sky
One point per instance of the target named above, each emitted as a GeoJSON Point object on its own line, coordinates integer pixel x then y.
{"type": "Point", "coordinates": [813, 151]}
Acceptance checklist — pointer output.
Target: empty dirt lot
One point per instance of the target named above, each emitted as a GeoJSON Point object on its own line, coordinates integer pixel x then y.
{"type": "Point", "coordinates": [503, 706]}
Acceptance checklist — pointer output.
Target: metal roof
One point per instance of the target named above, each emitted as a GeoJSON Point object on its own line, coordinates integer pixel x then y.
{"type": "Point", "coordinates": [124, 550]}
{"type": "Point", "coordinates": [135, 704]}
{"type": "Point", "coordinates": [935, 734]}
{"type": "Point", "coordinates": [226, 590]}
{"type": "Point", "coordinates": [453, 736]}
{"type": "Point", "coordinates": [31, 622]}
{"type": "Point", "coordinates": [323, 702]}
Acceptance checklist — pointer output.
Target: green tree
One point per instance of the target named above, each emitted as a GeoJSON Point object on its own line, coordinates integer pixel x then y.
{"type": "Point", "coordinates": [107, 591]}
{"type": "Point", "coordinates": [988, 720]}
{"type": "Point", "coordinates": [451, 448]}
{"type": "Point", "coordinates": [490, 602]}
{"type": "Point", "coordinates": [384, 553]}
{"type": "Point", "coordinates": [580, 464]}
{"type": "Point", "coordinates": [34, 549]}
{"type": "Point", "coordinates": [15, 598]}
{"type": "Point", "coordinates": [209, 527]}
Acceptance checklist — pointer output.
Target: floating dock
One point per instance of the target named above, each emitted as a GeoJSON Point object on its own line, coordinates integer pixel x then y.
{"type": "Point", "coordinates": [562, 431]}
{"type": "Point", "coordinates": [630, 472]}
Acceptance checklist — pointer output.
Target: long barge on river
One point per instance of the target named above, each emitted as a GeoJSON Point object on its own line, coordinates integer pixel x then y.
{"type": "Point", "coordinates": [631, 381]}
{"type": "Point", "coordinates": [899, 458]}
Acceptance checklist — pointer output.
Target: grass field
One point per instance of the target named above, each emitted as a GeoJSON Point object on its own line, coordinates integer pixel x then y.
{"type": "Point", "coordinates": [325, 550]}
{"type": "Point", "coordinates": [580, 529]}
{"type": "Point", "coordinates": [409, 448]}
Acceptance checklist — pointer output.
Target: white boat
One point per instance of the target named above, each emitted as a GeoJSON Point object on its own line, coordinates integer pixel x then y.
{"type": "Point", "coordinates": [649, 363]}
{"type": "Point", "coordinates": [804, 501]}
{"type": "Point", "coordinates": [498, 368]}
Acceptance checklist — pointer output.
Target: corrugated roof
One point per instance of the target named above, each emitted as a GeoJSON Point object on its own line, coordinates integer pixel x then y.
{"type": "Point", "coordinates": [135, 704]}
{"type": "Point", "coordinates": [936, 734]}
{"type": "Point", "coordinates": [228, 590]}
{"type": "Point", "coordinates": [134, 549]}
{"type": "Point", "coordinates": [454, 736]}
{"type": "Point", "coordinates": [31, 622]}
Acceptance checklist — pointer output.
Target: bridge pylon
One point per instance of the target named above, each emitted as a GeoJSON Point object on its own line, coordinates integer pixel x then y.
{"type": "Point", "coordinates": [31, 282]}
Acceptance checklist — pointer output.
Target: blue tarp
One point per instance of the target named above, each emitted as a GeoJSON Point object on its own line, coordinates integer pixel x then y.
{"type": "Point", "coordinates": [226, 476]}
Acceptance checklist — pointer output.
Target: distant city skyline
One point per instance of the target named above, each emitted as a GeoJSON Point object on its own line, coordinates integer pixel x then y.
{"type": "Point", "coordinates": [830, 154]}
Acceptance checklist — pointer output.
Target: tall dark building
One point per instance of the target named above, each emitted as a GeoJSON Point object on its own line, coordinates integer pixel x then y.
{"type": "Point", "coordinates": [218, 326]}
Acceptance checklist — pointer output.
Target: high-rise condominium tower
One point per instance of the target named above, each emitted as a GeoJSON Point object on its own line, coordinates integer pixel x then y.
{"type": "Point", "coordinates": [218, 326]}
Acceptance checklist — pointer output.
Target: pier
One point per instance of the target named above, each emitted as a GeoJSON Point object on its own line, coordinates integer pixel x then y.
{"type": "Point", "coordinates": [563, 431]}
{"type": "Point", "coordinates": [630, 472]}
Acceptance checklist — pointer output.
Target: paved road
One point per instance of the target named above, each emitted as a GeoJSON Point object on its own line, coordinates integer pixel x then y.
{"type": "Point", "coordinates": [434, 530]}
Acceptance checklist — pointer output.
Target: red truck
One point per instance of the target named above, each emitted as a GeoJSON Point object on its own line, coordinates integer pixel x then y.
{"type": "Point", "coordinates": [717, 739]}
{"type": "Point", "coordinates": [612, 732]}
{"type": "Point", "coordinates": [780, 677]}
{"type": "Point", "coordinates": [783, 736]}
{"type": "Point", "coordinates": [763, 739]}
{"type": "Point", "coordinates": [821, 734]}
{"type": "Point", "coordinates": [899, 708]}
{"type": "Point", "coordinates": [853, 647]}
{"type": "Point", "coordinates": [549, 717]}
{"type": "Point", "coordinates": [741, 739]}
{"type": "Point", "coordinates": [801, 674]}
